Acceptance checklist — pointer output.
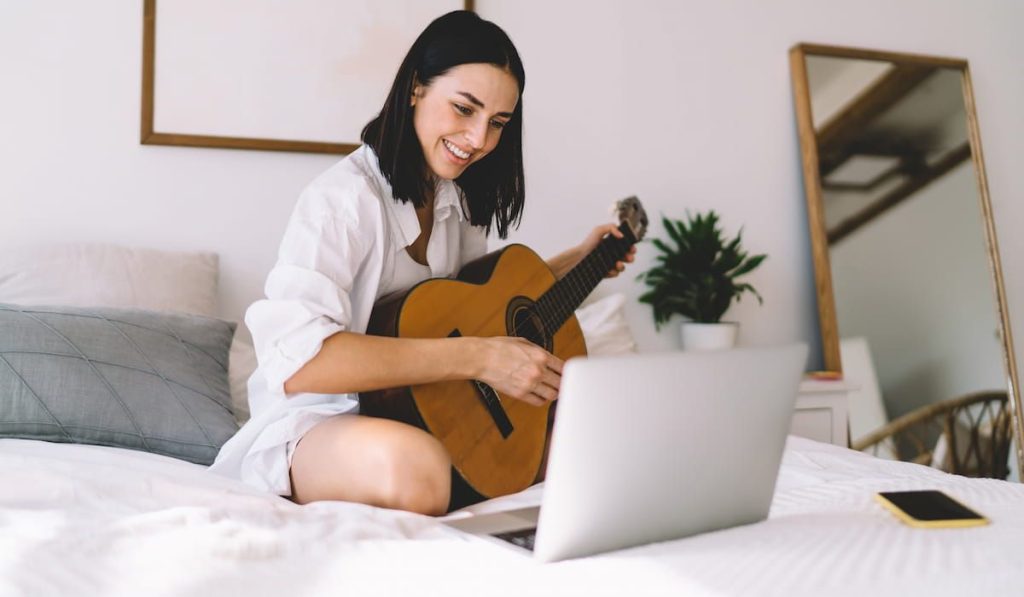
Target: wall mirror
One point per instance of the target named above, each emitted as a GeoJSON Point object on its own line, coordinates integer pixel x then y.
{"type": "Point", "coordinates": [910, 293]}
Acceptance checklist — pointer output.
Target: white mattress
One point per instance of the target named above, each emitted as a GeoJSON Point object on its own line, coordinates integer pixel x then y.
{"type": "Point", "coordinates": [84, 520]}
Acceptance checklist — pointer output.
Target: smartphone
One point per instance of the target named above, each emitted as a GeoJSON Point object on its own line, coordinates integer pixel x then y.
{"type": "Point", "coordinates": [929, 509]}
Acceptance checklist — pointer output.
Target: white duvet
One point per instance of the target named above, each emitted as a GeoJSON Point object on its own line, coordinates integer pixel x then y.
{"type": "Point", "coordinates": [84, 520]}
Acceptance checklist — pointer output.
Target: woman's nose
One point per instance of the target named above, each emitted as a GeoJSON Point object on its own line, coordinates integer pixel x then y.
{"type": "Point", "coordinates": [476, 135]}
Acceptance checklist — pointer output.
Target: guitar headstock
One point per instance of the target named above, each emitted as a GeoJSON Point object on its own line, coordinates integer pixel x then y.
{"type": "Point", "coordinates": [631, 211]}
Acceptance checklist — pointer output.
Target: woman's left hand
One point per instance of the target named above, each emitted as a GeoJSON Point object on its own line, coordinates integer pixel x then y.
{"type": "Point", "coordinates": [594, 238]}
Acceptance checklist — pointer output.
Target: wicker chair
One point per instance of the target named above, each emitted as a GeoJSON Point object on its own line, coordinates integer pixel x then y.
{"type": "Point", "coordinates": [969, 435]}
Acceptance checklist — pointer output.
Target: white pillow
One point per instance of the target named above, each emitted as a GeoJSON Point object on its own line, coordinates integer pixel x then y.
{"type": "Point", "coordinates": [604, 326]}
{"type": "Point", "coordinates": [241, 364]}
{"type": "Point", "coordinates": [106, 275]}
{"type": "Point", "coordinates": [103, 275]}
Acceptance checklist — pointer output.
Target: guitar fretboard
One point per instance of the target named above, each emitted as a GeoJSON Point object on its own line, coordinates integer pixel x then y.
{"type": "Point", "coordinates": [560, 301]}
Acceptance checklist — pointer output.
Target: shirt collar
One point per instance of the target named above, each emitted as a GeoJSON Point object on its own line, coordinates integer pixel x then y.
{"type": "Point", "coordinates": [448, 199]}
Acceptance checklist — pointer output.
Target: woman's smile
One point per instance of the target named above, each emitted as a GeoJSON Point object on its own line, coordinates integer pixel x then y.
{"type": "Point", "coordinates": [458, 154]}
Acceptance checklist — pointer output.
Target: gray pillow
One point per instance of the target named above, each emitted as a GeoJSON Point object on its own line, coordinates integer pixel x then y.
{"type": "Point", "coordinates": [130, 378]}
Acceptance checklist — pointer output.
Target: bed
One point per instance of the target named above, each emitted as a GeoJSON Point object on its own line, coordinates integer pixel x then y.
{"type": "Point", "coordinates": [80, 519]}
{"type": "Point", "coordinates": [93, 520]}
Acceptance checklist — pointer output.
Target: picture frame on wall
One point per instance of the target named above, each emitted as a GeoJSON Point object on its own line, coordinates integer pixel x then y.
{"type": "Point", "coordinates": [302, 75]}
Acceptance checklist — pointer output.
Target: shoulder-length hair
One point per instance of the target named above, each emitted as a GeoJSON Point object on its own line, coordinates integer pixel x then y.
{"type": "Point", "coordinates": [493, 187]}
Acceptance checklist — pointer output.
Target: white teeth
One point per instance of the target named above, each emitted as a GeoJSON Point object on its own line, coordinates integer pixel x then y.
{"type": "Point", "coordinates": [456, 150]}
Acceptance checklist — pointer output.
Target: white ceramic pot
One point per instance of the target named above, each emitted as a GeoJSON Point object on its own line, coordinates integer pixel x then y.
{"type": "Point", "coordinates": [709, 336]}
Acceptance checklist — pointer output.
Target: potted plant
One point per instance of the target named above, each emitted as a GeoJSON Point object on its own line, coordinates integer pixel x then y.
{"type": "Point", "coordinates": [697, 277]}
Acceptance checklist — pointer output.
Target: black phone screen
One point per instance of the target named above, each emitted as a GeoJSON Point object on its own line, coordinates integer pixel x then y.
{"type": "Point", "coordinates": [930, 505]}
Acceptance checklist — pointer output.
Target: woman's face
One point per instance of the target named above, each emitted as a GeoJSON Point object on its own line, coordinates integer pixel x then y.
{"type": "Point", "coordinates": [459, 117]}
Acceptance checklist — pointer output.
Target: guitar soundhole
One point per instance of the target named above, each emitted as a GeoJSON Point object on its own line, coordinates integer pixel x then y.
{"type": "Point", "coordinates": [523, 321]}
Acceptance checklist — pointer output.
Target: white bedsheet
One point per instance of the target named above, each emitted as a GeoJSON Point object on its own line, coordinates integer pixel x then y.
{"type": "Point", "coordinates": [84, 520]}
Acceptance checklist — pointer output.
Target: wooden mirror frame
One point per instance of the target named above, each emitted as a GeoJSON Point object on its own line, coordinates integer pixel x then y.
{"type": "Point", "coordinates": [816, 212]}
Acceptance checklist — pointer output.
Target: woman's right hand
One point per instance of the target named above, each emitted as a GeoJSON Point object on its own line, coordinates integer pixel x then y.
{"type": "Point", "coordinates": [519, 369]}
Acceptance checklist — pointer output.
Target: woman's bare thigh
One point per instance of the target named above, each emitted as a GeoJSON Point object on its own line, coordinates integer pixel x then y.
{"type": "Point", "coordinates": [372, 461]}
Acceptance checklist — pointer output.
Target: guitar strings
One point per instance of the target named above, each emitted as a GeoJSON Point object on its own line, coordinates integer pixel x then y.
{"type": "Point", "coordinates": [578, 283]}
{"type": "Point", "coordinates": [581, 281]}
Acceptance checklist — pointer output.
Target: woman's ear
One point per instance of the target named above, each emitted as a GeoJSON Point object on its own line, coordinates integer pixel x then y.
{"type": "Point", "coordinates": [417, 91]}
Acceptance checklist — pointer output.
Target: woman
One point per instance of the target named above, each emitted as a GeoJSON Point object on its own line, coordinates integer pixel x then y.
{"type": "Point", "coordinates": [440, 165]}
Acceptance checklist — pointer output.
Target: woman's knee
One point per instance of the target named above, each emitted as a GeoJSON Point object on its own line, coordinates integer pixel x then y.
{"type": "Point", "coordinates": [415, 473]}
{"type": "Point", "coordinates": [372, 461]}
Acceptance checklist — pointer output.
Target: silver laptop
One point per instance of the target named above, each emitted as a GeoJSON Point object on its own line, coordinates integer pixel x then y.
{"type": "Point", "coordinates": [657, 446]}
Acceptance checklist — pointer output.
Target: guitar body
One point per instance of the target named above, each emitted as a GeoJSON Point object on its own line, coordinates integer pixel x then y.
{"type": "Point", "coordinates": [491, 296]}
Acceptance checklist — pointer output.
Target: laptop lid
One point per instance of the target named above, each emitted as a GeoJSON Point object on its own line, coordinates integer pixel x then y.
{"type": "Point", "coordinates": [652, 447]}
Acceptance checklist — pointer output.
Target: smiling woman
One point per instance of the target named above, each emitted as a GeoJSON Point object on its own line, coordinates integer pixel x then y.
{"type": "Point", "coordinates": [440, 164]}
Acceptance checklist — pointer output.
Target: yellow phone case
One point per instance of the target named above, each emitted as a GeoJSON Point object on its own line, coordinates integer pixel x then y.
{"type": "Point", "coordinates": [954, 523]}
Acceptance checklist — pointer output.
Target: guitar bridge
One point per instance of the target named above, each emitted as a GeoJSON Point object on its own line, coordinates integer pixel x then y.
{"type": "Point", "coordinates": [491, 402]}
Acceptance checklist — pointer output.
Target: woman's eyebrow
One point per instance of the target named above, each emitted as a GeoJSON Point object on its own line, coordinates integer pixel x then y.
{"type": "Point", "coordinates": [472, 98]}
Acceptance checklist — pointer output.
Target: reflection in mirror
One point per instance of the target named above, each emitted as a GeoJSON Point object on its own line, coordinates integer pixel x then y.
{"type": "Point", "coordinates": [903, 226]}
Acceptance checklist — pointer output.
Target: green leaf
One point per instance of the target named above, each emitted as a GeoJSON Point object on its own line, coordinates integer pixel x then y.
{"type": "Point", "coordinates": [673, 233]}
{"type": "Point", "coordinates": [749, 265]}
{"type": "Point", "coordinates": [663, 247]}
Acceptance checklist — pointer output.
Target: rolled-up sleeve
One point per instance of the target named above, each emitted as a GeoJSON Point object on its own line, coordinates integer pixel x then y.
{"type": "Point", "coordinates": [308, 294]}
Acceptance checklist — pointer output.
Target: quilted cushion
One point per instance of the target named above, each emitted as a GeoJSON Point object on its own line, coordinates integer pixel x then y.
{"type": "Point", "coordinates": [145, 380]}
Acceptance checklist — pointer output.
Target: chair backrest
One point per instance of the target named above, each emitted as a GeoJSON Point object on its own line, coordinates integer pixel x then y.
{"type": "Point", "coordinates": [979, 431]}
{"type": "Point", "coordinates": [970, 435]}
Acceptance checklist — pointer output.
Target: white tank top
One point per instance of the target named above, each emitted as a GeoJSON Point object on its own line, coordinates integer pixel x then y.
{"type": "Point", "coordinates": [408, 273]}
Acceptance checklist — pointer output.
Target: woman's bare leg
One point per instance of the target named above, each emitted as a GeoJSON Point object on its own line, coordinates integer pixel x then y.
{"type": "Point", "coordinates": [372, 461]}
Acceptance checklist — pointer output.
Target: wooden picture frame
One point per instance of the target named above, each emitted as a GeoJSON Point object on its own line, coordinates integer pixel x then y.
{"type": "Point", "coordinates": [151, 132]}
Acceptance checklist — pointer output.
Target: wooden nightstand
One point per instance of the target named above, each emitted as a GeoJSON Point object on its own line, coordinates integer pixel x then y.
{"type": "Point", "coordinates": [820, 411]}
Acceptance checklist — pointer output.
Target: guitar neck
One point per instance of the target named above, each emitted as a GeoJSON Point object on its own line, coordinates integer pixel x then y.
{"type": "Point", "coordinates": [561, 300]}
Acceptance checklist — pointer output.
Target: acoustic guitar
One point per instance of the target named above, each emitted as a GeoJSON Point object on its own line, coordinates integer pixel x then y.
{"type": "Point", "coordinates": [496, 444]}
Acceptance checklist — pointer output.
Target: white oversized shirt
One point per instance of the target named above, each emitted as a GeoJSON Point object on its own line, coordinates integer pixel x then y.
{"type": "Point", "coordinates": [338, 256]}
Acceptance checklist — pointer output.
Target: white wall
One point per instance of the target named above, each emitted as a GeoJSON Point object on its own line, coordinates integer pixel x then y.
{"type": "Point", "coordinates": [685, 103]}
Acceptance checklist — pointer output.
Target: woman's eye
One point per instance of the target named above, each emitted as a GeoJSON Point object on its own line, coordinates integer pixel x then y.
{"type": "Point", "coordinates": [463, 109]}
{"type": "Point", "coordinates": [498, 124]}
